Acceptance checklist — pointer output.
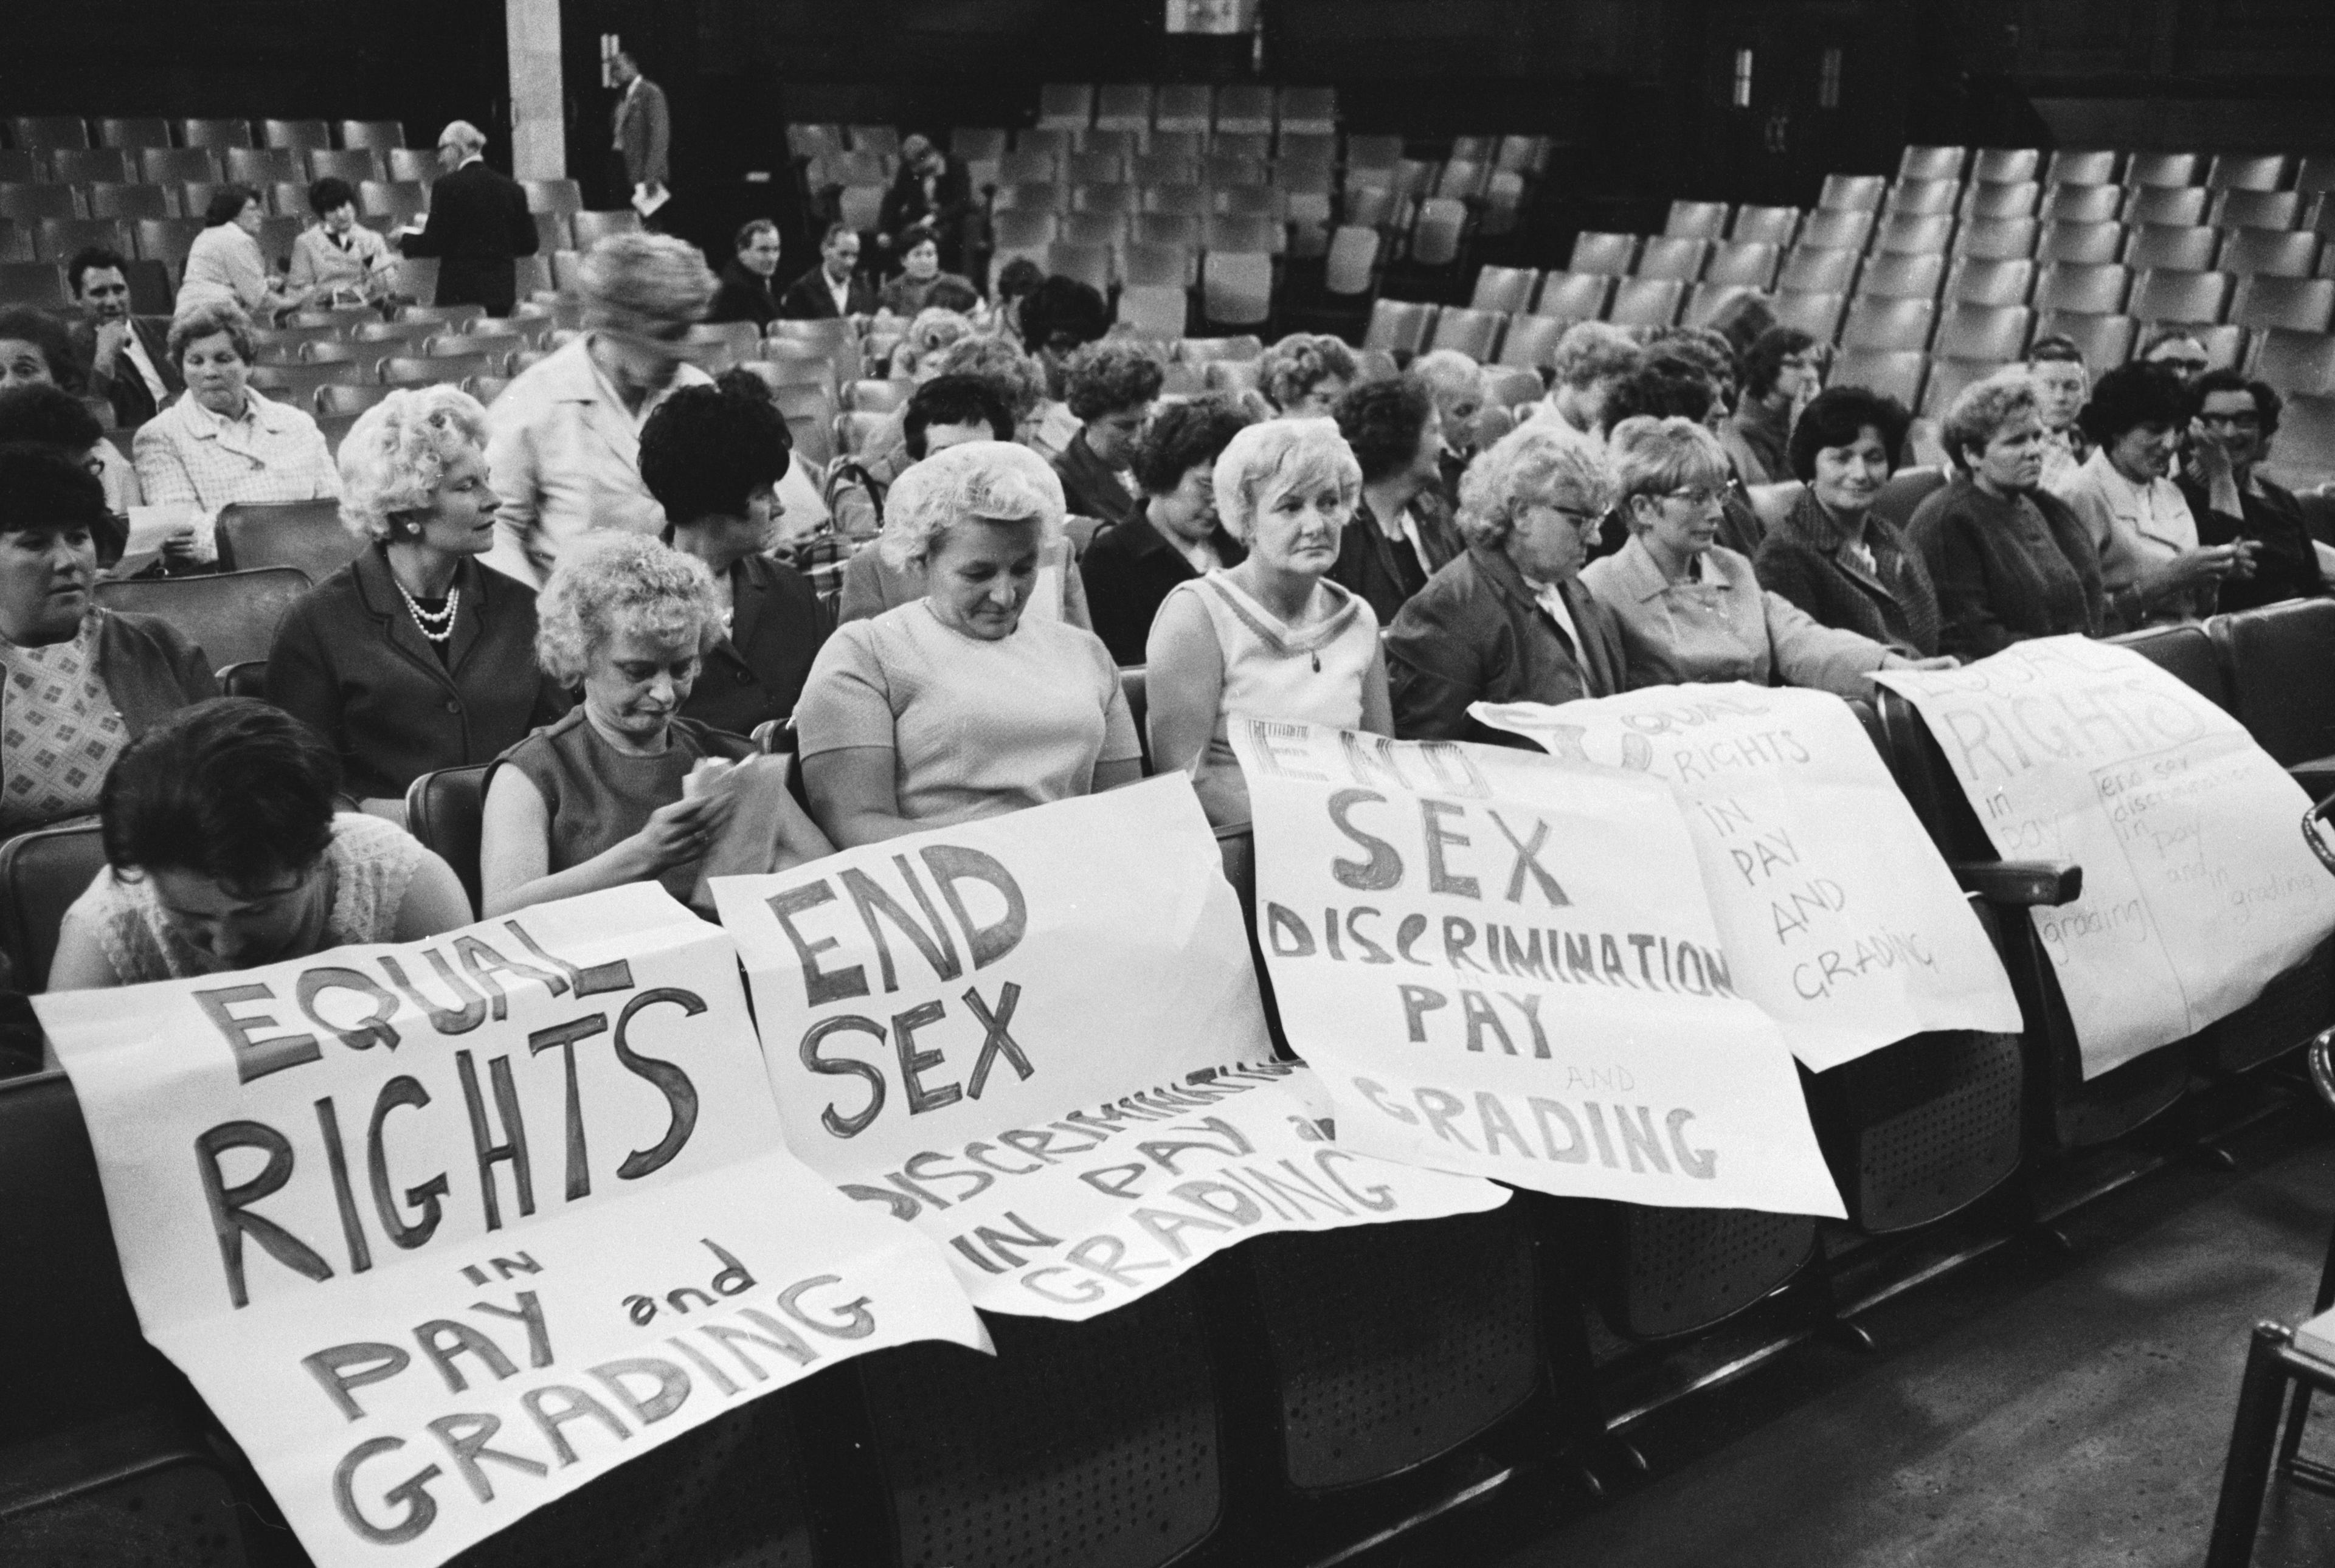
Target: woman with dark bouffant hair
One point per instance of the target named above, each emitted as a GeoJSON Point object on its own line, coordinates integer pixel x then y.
{"type": "Point", "coordinates": [224, 850]}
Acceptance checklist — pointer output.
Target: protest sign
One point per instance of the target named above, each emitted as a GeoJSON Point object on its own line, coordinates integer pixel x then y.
{"type": "Point", "coordinates": [1505, 964]}
{"type": "Point", "coordinates": [442, 1231]}
{"type": "Point", "coordinates": [1037, 1038]}
{"type": "Point", "coordinates": [2198, 888]}
{"type": "Point", "coordinates": [1844, 925]}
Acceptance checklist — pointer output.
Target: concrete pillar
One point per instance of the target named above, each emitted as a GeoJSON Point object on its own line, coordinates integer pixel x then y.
{"type": "Point", "coordinates": [538, 94]}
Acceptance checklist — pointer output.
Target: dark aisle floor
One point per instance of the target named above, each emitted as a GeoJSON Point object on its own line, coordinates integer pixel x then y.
{"type": "Point", "coordinates": [2034, 1409]}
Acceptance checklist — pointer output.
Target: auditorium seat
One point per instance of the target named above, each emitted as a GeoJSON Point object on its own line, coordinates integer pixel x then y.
{"type": "Point", "coordinates": [1902, 276]}
{"type": "Point", "coordinates": [2093, 288]}
{"type": "Point", "coordinates": [39, 283]}
{"type": "Point", "coordinates": [1923, 197]}
{"type": "Point", "coordinates": [357, 165]}
{"type": "Point", "coordinates": [1611, 254]}
{"type": "Point", "coordinates": [1911, 235]}
{"type": "Point", "coordinates": [1948, 377]}
{"type": "Point", "coordinates": [1672, 1272]}
{"type": "Point", "coordinates": [1852, 193]}
{"type": "Point", "coordinates": [1808, 270]}
{"type": "Point", "coordinates": [305, 535]}
{"type": "Point", "coordinates": [2187, 247]}
{"type": "Point", "coordinates": [2269, 252]}
{"type": "Point", "coordinates": [41, 874]}
{"type": "Point", "coordinates": [2305, 453]}
{"type": "Point", "coordinates": [145, 130]}
{"type": "Point", "coordinates": [1508, 386]}
{"type": "Point", "coordinates": [122, 202]}
{"type": "Point", "coordinates": [2255, 209]}
{"type": "Point", "coordinates": [2295, 362]}
{"type": "Point", "coordinates": [350, 401]}
{"type": "Point", "coordinates": [1892, 373]}
{"type": "Point", "coordinates": [2296, 304]}
{"type": "Point", "coordinates": [2181, 205]}
{"type": "Point", "coordinates": [1705, 302]}
{"type": "Point", "coordinates": [57, 238]}
{"type": "Point", "coordinates": [2083, 204]}
{"type": "Point", "coordinates": [1474, 332]}
{"type": "Point", "coordinates": [70, 166]}
{"type": "Point", "coordinates": [1816, 314]}
{"type": "Point", "coordinates": [2159, 170]}
{"type": "Point", "coordinates": [1506, 289]}
{"type": "Point", "coordinates": [1696, 220]}
{"type": "Point", "coordinates": [1833, 229]}
{"type": "Point", "coordinates": [2105, 340]}
{"type": "Point", "coordinates": [1574, 296]}
{"type": "Point", "coordinates": [15, 242]}
{"type": "Point", "coordinates": [1530, 341]}
{"type": "Point", "coordinates": [1998, 333]}
{"type": "Point", "coordinates": [1975, 281]}
{"type": "Point", "coordinates": [1399, 326]}
{"type": "Point", "coordinates": [32, 203]}
{"type": "Point", "coordinates": [1750, 262]}
{"type": "Point", "coordinates": [261, 165]}
{"type": "Point", "coordinates": [1765, 224]}
{"type": "Point", "coordinates": [231, 616]}
{"type": "Point", "coordinates": [1645, 301]}
{"type": "Point", "coordinates": [23, 166]}
{"type": "Point", "coordinates": [2166, 295]}
{"type": "Point", "coordinates": [47, 132]}
{"type": "Point", "coordinates": [2247, 172]}
{"type": "Point", "coordinates": [1237, 376]}
{"type": "Point", "coordinates": [1672, 257]}
{"type": "Point", "coordinates": [1997, 238]}
{"type": "Point", "coordinates": [591, 227]}
{"type": "Point", "coordinates": [2005, 163]}
{"type": "Point", "coordinates": [1888, 324]}
{"type": "Point", "coordinates": [2012, 199]}
{"type": "Point", "coordinates": [1941, 163]}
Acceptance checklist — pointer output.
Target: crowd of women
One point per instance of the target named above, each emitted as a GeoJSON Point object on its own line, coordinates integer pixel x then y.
{"type": "Point", "coordinates": [677, 651]}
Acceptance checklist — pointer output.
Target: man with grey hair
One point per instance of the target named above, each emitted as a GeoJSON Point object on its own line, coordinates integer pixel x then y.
{"type": "Point", "coordinates": [1590, 359]}
{"type": "Point", "coordinates": [478, 224]}
{"type": "Point", "coordinates": [1457, 384]}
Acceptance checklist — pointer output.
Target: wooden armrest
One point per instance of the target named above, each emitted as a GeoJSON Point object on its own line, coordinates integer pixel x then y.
{"type": "Point", "coordinates": [2021, 884]}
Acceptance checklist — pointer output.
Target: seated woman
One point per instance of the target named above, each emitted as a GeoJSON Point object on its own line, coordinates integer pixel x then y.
{"type": "Point", "coordinates": [224, 850]}
{"type": "Point", "coordinates": [713, 457]}
{"type": "Point", "coordinates": [960, 704]}
{"type": "Point", "coordinates": [1509, 621]}
{"type": "Point", "coordinates": [2153, 568]}
{"type": "Point", "coordinates": [1111, 386]}
{"type": "Point", "coordinates": [339, 261]}
{"type": "Point", "coordinates": [79, 683]}
{"type": "Point", "coordinates": [2229, 439]}
{"type": "Point", "coordinates": [2009, 560]}
{"type": "Point", "coordinates": [855, 483]}
{"type": "Point", "coordinates": [624, 788]}
{"type": "Point", "coordinates": [920, 269]}
{"type": "Point", "coordinates": [1304, 374]}
{"type": "Point", "coordinates": [1402, 533]}
{"type": "Point", "coordinates": [222, 442]}
{"type": "Point", "coordinates": [2056, 365]}
{"type": "Point", "coordinates": [1273, 636]}
{"type": "Point", "coordinates": [1690, 608]}
{"type": "Point", "coordinates": [1174, 535]}
{"type": "Point", "coordinates": [224, 267]}
{"type": "Point", "coordinates": [35, 350]}
{"type": "Point", "coordinates": [414, 657]}
{"type": "Point", "coordinates": [1061, 316]}
{"type": "Point", "coordinates": [1830, 554]}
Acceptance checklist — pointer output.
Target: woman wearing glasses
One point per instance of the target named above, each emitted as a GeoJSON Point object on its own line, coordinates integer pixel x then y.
{"type": "Point", "coordinates": [1508, 621]}
{"type": "Point", "coordinates": [1691, 609]}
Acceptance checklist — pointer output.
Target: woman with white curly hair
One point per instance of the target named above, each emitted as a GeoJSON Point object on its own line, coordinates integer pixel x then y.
{"type": "Point", "coordinates": [957, 704]}
{"type": "Point", "coordinates": [412, 657]}
{"type": "Point", "coordinates": [1273, 636]}
{"type": "Point", "coordinates": [1507, 621]}
{"type": "Point", "coordinates": [565, 437]}
{"type": "Point", "coordinates": [624, 788]}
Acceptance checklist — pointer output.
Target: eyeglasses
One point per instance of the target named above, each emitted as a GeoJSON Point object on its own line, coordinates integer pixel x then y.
{"type": "Point", "coordinates": [2187, 367]}
{"type": "Point", "coordinates": [1585, 522]}
{"type": "Point", "coordinates": [1698, 496]}
{"type": "Point", "coordinates": [2246, 419]}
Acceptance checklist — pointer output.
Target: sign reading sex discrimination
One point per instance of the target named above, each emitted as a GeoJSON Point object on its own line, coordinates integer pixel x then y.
{"type": "Point", "coordinates": [2198, 887]}
{"type": "Point", "coordinates": [1036, 1039]}
{"type": "Point", "coordinates": [1505, 964]}
{"type": "Point", "coordinates": [442, 1231]}
{"type": "Point", "coordinates": [1847, 927]}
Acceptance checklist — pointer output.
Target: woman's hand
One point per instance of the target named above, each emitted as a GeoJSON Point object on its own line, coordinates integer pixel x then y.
{"type": "Point", "coordinates": [678, 833]}
{"type": "Point", "coordinates": [2192, 568]}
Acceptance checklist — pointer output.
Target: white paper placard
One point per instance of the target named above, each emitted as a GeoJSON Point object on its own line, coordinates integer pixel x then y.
{"type": "Point", "coordinates": [1038, 1038]}
{"type": "Point", "coordinates": [442, 1231]}
{"type": "Point", "coordinates": [2198, 887]}
{"type": "Point", "coordinates": [1847, 927]}
{"type": "Point", "coordinates": [1505, 964]}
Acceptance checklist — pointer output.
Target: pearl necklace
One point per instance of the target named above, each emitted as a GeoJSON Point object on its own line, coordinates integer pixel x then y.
{"type": "Point", "coordinates": [439, 627]}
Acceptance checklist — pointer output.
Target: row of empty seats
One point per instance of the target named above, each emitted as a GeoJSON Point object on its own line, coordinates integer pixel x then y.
{"type": "Point", "coordinates": [2102, 166]}
{"type": "Point", "coordinates": [195, 165]}
{"type": "Point", "coordinates": [1142, 106]}
{"type": "Point", "coordinates": [67, 132]}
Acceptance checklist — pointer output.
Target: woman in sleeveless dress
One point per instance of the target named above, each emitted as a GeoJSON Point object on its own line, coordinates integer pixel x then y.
{"type": "Point", "coordinates": [223, 852]}
{"type": "Point", "coordinates": [1272, 637]}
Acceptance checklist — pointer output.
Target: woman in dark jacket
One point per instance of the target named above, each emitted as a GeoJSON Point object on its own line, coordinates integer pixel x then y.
{"type": "Point", "coordinates": [77, 684]}
{"type": "Point", "coordinates": [1830, 555]}
{"type": "Point", "coordinates": [413, 657]}
{"type": "Point", "coordinates": [1174, 535]}
{"type": "Point", "coordinates": [2009, 560]}
{"type": "Point", "coordinates": [712, 456]}
{"type": "Point", "coordinates": [1402, 534]}
{"type": "Point", "coordinates": [1110, 387]}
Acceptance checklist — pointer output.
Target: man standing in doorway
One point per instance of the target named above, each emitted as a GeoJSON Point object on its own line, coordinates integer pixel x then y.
{"type": "Point", "coordinates": [643, 136]}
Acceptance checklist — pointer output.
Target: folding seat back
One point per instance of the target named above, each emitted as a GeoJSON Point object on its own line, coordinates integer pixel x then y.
{"type": "Point", "coordinates": [1816, 314]}
{"type": "Point", "coordinates": [2148, 169]}
{"type": "Point", "coordinates": [1996, 332]}
{"type": "Point", "coordinates": [1673, 1272]}
{"type": "Point", "coordinates": [2009, 198]}
{"type": "Point", "coordinates": [972, 142]}
{"type": "Point", "coordinates": [1570, 297]}
{"type": "Point", "coordinates": [126, 201]}
{"type": "Point", "coordinates": [28, 166]}
{"type": "Point", "coordinates": [2296, 304]}
{"type": "Point", "coordinates": [1109, 228]}
{"type": "Point", "coordinates": [2296, 362]}
{"type": "Point", "coordinates": [1306, 149]}
{"type": "Point", "coordinates": [1094, 169]}
{"type": "Point", "coordinates": [1110, 198]}
{"type": "Point", "coordinates": [1190, 200]}
{"type": "Point", "coordinates": [2165, 204]}
{"type": "Point", "coordinates": [1474, 332]}
{"type": "Point", "coordinates": [2314, 175]}
{"type": "Point", "coordinates": [1892, 373]}
{"type": "Point", "coordinates": [305, 535]}
{"type": "Point", "coordinates": [1671, 256]}
{"type": "Point", "coordinates": [296, 135]}
{"type": "Point", "coordinates": [1888, 324]}
{"type": "Point", "coordinates": [1831, 228]}
{"type": "Point", "coordinates": [1353, 262]}
{"type": "Point", "coordinates": [1237, 287]}
{"type": "Point", "coordinates": [261, 165]}
{"type": "Point", "coordinates": [1806, 270]}
{"type": "Point", "coordinates": [15, 242]}
{"type": "Point", "coordinates": [34, 282]}
{"type": "Point", "coordinates": [219, 133]}
{"type": "Point", "coordinates": [1260, 234]}
{"type": "Point", "coordinates": [2167, 294]}
{"type": "Point", "coordinates": [1903, 277]}
{"type": "Point", "coordinates": [1932, 163]}
{"type": "Point", "coordinates": [140, 132]}
{"type": "Point", "coordinates": [1982, 282]}
{"type": "Point", "coordinates": [2083, 204]}
{"type": "Point", "coordinates": [1610, 253]}
{"type": "Point", "coordinates": [2085, 244]}
{"type": "Point", "coordinates": [2097, 289]}
{"type": "Point", "coordinates": [166, 239]}
{"type": "Point", "coordinates": [48, 132]}
{"type": "Point", "coordinates": [1163, 168]}
{"type": "Point", "coordinates": [1853, 192]}
{"type": "Point", "coordinates": [2072, 166]}
{"type": "Point", "coordinates": [1913, 235]}
{"type": "Point", "coordinates": [1461, 180]}
{"type": "Point", "coordinates": [2269, 252]}
{"type": "Point", "coordinates": [2184, 247]}
{"type": "Point", "coordinates": [2104, 339]}
{"type": "Point", "coordinates": [1399, 326]}
{"type": "Point", "coordinates": [1696, 220]}
{"type": "Point", "coordinates": [1766, 225]}
{"type": "Point", "coordinates": [400, 203]}
{"type": "Point", "coordinates": [1707, 302]}
{"type": "Point", "coordinates": [2004, 164]}
{"type": "Point", "coordinates": [58, 238]}
{"type": "Point", "coordinates": [1750, 262]}
{"type": "Point", "coordinates": [2247, 172]}
{"type": "Point", "coordinates": [1646, 302]}
{"type": "Point", "coordinates": [1242, 346]}
{"type": "Point", "coordinates": [562, 196]}
{"type": "Point", "coordinates": [231, 616]}
{"type": "Point", "coordinates": [1123, 106]}
{"type": "Point", "coordinates": [1509, 386]}
{"type": "Point", "coordinates": [1253, 201]}
{"type": "Point", "coordinates": [1925, 197]}
{"type": "Point", "coordinates": [358, 164]}
{"type": "Point", "coordinates": [70, 166]}
{"type": "Point", "coordinates": [1505, 289]}
{"type": "Point", "coordinates": [41, 874]}
{"type": "Point", "coordinates": [1065, 103]}
{"type": "Point", "coordinates": [1182, 106]}
{"type": "Point", "coordinates": [1531, 341]}
{"type": "Point", "coordinates": [1154, 310]}
{"type": "Point", "coordinates": [1998, 238]}
{"type": "Point", "coordinates": [417, 164]}
{"type": "Point", "coordinates": [2256, 209]}
{"type": "Point", "coordinates": [2273, 660]}
{"type": "Point", "coordinates": [1948, 378]}
{"type": "Point", "coordinates": [2304, 454]}
{"type": "Point", "coordinates": [1087, 264]}
{"type": "Point", "coordinates": [1246, 167]}
{"type": "Point", "coordinates": [1245, 109]}
{"type": "Point", "coordinates": [33, 204]}
{"type": "Point", "coordinates": [1307, 109]}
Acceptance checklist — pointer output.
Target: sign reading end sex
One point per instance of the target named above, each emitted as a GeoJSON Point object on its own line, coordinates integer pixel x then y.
{"type": "Point", "coordinates": [442, 1231]}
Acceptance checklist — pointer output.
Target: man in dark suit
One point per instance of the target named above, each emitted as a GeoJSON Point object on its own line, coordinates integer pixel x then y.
{"type": "Point", "coordinates": [129, 365]}
{"type": "Point", "coordinates": [834, 287]}
{"type": "Point", "coordinates": [745, 291]}
{"type": "Point", "coordinates": [933, 193]}
{"type": "Point", "coordinates": [643, 128]}
{"type": "Point", "coordinates": [478, 224]}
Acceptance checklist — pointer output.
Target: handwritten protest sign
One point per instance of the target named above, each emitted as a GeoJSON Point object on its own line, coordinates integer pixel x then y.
{"type": "Point", "coordinates": [1505, 964]}
{"type": "Point", "coordinates": [442, 1231]}
{"type": "Point", "coordinates": [1845, 926]}
{"type": "Point", "coordinates": [2197, 886]}
{"type": "Point", "coordinates": [1037, 1038]}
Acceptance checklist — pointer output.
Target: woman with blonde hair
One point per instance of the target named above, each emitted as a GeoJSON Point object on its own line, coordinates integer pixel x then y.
{"type": "Point", "coordinates": [624, 788]}
{"type": "Point", "coordinates": [957, 704]}
{"type": "Point", "coordinates": [413, 657]}
{"type": "Point", "coordinates": [1273, 637]}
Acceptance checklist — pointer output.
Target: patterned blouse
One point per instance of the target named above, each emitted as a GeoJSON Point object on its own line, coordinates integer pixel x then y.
{"type": "Point", "coordinates": [58, 730]}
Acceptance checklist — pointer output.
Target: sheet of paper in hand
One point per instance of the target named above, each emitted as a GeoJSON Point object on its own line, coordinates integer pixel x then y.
{"type": "Point", "coordinates": [442, 1231]}
{"type": "Point", "coordinates": [2198, 887]}
{"type": "Point", "coordinates": [1037, 1038]}
{"type": "Point", "coordinates": [1503, 963]}
{"type": "Point", "coordinates": [1843, 923]}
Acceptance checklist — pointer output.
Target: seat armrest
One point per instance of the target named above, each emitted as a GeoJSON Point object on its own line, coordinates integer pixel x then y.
{"type": "Point", "coordinates": [2021, 884]}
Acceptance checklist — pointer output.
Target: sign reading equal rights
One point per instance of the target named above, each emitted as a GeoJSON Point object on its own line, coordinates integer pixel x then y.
{"type": "Point", "coordinates": [1036, 1039]}
{"type": "Point", "coordinates": [1505, 964]}
{"type": "Point", "coordinates": [444, 1230]}
{"type": "Point", "coordinates": [2198, 886]}
{"type": "Point", "coordinates": [1847, 928]}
